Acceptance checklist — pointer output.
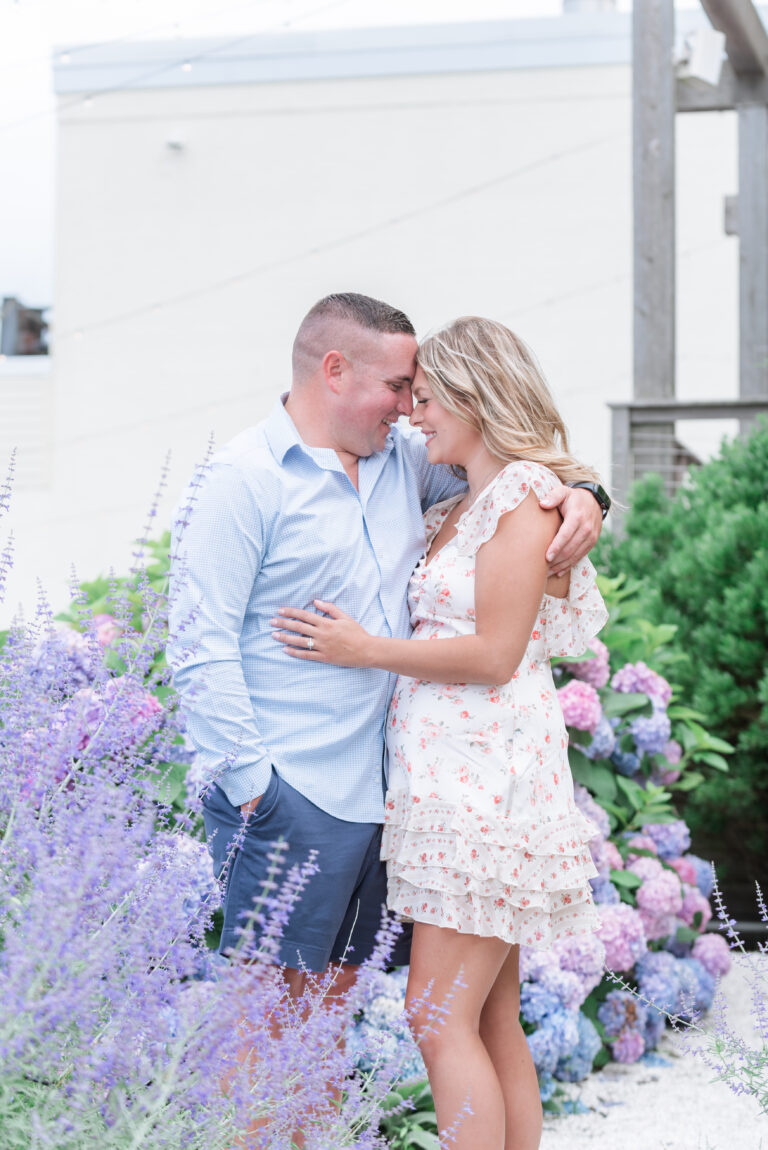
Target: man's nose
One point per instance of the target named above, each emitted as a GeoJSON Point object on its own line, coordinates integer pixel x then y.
{"type": "Point", "coordinates": [405, 403]}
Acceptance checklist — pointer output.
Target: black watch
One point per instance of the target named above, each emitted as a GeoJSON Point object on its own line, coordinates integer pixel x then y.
{"type": "Point", "coordinates": [600, 494]}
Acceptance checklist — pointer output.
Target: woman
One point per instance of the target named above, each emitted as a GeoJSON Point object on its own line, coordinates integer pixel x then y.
{"type": "Point", "coordinates": [485, 848]}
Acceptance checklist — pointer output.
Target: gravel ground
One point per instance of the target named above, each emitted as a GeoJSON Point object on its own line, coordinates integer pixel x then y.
{"type": "Point", "coordinates": [669, 1103]}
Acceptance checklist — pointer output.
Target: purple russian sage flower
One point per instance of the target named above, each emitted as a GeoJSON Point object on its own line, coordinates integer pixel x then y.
{"type": "Point", "coordinates": [671, 839]}
{"type": "Point", "coordinates": [63, 660]}
{"type": "Point", "coordinates": [595, 671]}
{"type": "Point", "coordinates": [581, 706]}
{"type": "Point", "coordinates": [637, 677]}
{"type": "Point", "coordinates": [714, 954]}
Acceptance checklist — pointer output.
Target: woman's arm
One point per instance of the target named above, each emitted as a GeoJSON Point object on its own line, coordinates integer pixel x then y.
{"type": "Point", "coordinates": [510, 577]}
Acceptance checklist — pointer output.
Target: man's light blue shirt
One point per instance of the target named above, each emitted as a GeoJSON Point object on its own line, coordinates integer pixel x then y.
{"type": "Point", "coordinates": [276, 523]}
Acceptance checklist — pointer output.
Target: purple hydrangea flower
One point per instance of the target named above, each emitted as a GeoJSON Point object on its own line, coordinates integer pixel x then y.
{"type": "Point", "coordinates": [697, 986]}
{"type": "Point", "coordinates": [628, 1047]}
{"type": "Point", "coordinates": [621, 1010]}
{"type": "Point", "coordinates": [651, 732]}
{"type": "Point", "coordinates": [595, 671]}
{"type": "Point", "coordinates": [581, 706]}
{"type": "Point", "coordinates": [659, 899]}
{"type": "Point", "coordinates": [654, 1028]}
{"type": "Point", "coordinates": [623, 935]}
{"type": "Point", "coordinates": [714, 954]}
{"type": "Point", "coordinates": [673, 752]}
{"type": "Point", "coordinates": [603, 741]}
{"type": "Point", "coordinates": [605, 856]}
{"type": "Point", "coordinates": [556, 1038]}
{"type": "Point", "coordinates": [536, 1002]}
{"type": "Point", "coordinates": [592, 810]}
{"type": "Point", "coordinates": [644, 867]}
{"type": "Point", "coordinates": [694, 903]}
{"type": "Point", "coordinates": [637, 677]}
{"type": "Point", "coordinates": [583, 955]}
{"type": "Point", "coordinates": [671, 839]}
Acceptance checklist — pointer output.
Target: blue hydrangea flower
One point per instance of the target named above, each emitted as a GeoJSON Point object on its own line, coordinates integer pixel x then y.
{"type": "Point", "coordinates": [658, 979]}
{"type": "Point", "coordinates": [536, 1002]}
{"type": "Point", "coordinates": [704, 876]}
{"type": "Point", "coordinates": [697, 986]}
{"type": "Point", "coordinates": [671, 839]}
{"type": "Point", "coordinates": [603, 891]}
{"type": "Point", "coordinates": [547, 1086]}
{"type": "Point", "coordinates": [578, 1063]}
{"type": "Point", "coordinates": [603, 741]}
{"type": "Point", "coordinates": [654, 1028]}
{"type": "Point", "coordinates": [556, 1038]}
{"type": "Point", "coordinates": [625, 762]}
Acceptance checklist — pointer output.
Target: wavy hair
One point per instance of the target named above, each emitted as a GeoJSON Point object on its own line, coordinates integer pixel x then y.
{"type": "Point", "coordinates": [487, 376]}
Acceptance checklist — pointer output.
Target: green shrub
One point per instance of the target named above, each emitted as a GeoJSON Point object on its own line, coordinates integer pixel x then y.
{"type": "Point", "coordinates": [702, 558]}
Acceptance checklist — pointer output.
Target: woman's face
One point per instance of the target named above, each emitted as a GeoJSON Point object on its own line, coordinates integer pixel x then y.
{"type": "Point", "coordinates": [449, 439]}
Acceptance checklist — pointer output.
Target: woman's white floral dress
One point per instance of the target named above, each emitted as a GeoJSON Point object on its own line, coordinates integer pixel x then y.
{"type": "Point", "coordinates": [481, 831]}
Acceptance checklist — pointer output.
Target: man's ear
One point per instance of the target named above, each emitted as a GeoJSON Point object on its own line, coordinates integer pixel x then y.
{"type": "Point", "coordinates": [334, 366]}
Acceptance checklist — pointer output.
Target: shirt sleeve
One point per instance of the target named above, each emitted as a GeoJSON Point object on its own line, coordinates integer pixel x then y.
{"type": "Point", "coordinates": [218, 544]}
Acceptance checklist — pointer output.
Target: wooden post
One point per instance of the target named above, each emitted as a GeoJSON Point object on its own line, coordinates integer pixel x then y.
{"type": "Point", "coordinates": [753, 252]}
{"type": "Point", "coordinates": [654, 103]}
{"type": "Point", "coordinates": [622, 471]}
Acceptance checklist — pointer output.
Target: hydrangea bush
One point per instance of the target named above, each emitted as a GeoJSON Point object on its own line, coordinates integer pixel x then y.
{"type": "Point", "coordinates": [119, 1020]}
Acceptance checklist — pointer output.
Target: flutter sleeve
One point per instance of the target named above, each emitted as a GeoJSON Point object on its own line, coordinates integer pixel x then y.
{"type": "Point", "coordinates": [567, 625]}
{"type": "Point", "coordinates": [504, 493]}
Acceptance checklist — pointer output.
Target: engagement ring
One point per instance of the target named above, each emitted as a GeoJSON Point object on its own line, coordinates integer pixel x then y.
{"type": "Point", "coordinates": [310, 644]}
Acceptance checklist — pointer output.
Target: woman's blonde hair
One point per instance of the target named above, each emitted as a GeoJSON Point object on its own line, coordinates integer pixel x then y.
{"type": "Point", "coordinates": [486, 376]}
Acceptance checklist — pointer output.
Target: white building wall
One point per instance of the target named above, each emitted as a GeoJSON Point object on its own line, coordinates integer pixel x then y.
{"type": "Point", "coordinates": [183, 272]}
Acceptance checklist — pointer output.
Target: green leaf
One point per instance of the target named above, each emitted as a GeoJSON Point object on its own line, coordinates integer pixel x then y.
{"type": "Point", "coordinates": [626, 878]}
{"type": "Point", "coordinates": [423, 1139]}
{"type": "Point", "coordinates": [632, 791]}
{"type": "Point", "coordinates": [688, 781]}
{"type": "Point", "coordinates": [617, 703]}
{"type": "Point", "coordinates": [712, 760]}
{"type": "Point", "coordinates": [598, 778]}
{"type": "Point", "coordinates": [686, 934]}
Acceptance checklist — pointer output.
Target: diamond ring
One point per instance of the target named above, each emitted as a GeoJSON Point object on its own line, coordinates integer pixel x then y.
{"type": "Point", "coordinates": [310, 644]}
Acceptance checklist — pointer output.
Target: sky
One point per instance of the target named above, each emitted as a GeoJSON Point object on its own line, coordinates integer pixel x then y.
{"type": "Point", "coordinates": [30, 31]}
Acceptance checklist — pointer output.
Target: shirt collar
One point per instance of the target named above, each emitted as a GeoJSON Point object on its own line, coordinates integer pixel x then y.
{"type": "Point", "coordinates": [281, 435]}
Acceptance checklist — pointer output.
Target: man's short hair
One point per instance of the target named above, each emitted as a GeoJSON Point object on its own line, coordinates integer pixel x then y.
{"type": "Point", "coordinates": [362, 310]}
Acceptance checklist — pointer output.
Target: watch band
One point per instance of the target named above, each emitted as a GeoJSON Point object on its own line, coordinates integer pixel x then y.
{"type": "Point", "coordinates": [599, 492]}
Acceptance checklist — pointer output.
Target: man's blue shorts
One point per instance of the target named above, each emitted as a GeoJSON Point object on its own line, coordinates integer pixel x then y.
{"type": "Point", "coordinates": [339, 911]}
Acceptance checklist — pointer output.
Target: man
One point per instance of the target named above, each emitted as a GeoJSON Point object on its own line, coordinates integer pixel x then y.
{"type": "Point", "coordinates": [324, 499]}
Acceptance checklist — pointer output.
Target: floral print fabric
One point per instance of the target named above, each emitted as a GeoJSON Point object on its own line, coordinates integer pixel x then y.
{"type": "Point", "coordinates": [481, 831]}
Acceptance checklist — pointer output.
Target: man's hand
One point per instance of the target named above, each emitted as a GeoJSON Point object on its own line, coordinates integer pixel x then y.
{"type": "Point", "coordinates": [248, 808]}
{"type": "Point", "coordinates": [582, 522]}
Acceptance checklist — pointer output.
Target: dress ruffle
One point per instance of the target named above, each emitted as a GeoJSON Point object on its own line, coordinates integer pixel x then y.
{"type": "Point", "coordinates": [570, 623]}
{"type": "Point", "coordinates": [495, 874]}
{"type": "Point", "coordinates": [504, 493]}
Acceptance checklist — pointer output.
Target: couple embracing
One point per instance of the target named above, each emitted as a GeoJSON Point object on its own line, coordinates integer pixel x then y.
{"type": "Point", "coordinates": [361, 643]}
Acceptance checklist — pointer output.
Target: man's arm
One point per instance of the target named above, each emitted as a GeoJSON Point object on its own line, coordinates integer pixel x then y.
{"type": "Point", "coordinates": [582, 523]}
{"type": "Point", "coordinates": [218, 542]}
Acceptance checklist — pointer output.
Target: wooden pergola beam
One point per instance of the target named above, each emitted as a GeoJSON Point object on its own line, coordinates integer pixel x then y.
{"type": "Point", "coordinates": [733, 89]}
{"type": "Point", "coordinates": [746, 41]}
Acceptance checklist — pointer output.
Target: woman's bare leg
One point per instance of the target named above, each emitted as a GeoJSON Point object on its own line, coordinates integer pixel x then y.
{"type": "Point", "coordinates": [458, 1063]}
{"type": "Point", "coordinates": [505, 1042]}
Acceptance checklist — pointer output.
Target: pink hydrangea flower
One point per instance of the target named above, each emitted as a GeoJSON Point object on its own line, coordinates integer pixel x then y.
{"type": "Point", "coordinates": [645, 868]}
{"type": "Point", "coordinates": [107, 629]}
{"type": "Point", "coordinates": [622, 934]}
{"type": "Point", "coordinates": [673, 752]}
{"type": "Point", "coordinates": [638, 677]}
{"type": "Point", "coordinates": [659, 901]}
{"type": "Point", "coordinates": [581, 706]}
{"type": "Point", "coordinates": [583, 954]}
{"type": "Point", "coordinates": [694, 903]}
{"type": "Point", "coordinates": [685, 869]}
{"type": "Point", "coordinates": [713, 953]}
{"type": "Point", "coordinates": [641, 843]}
{"type": "Point", "coordinates": [605, 856]}
{"type": "Point", "coordinates": [594, 671]}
